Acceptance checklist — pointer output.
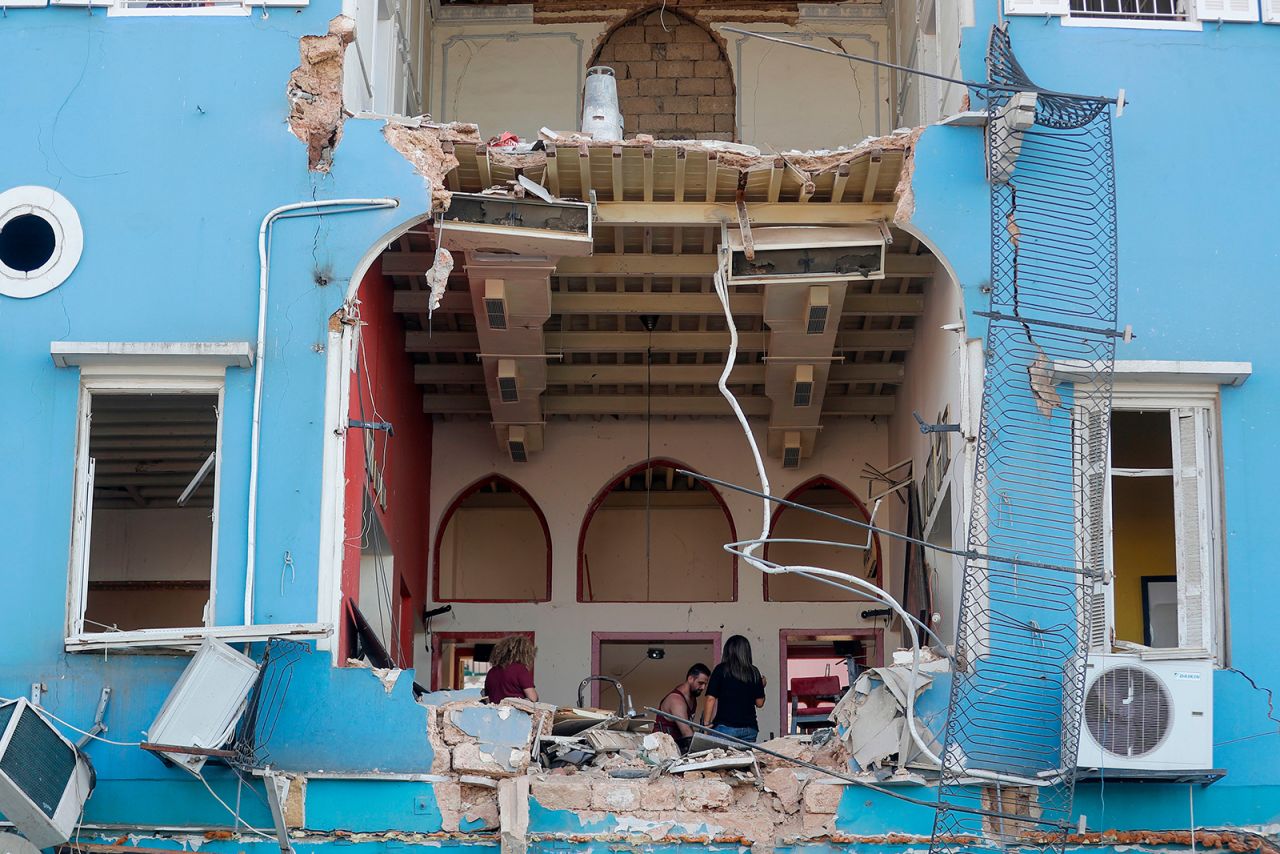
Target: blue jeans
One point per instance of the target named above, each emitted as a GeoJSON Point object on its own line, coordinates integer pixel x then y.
{"type": "Point", "coordinates": [739, 732]}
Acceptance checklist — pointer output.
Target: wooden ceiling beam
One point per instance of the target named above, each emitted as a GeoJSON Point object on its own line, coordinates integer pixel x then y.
{"type": "Point", "coordinates": [415, 302]}
{"type": "Point", "coordinates": [661, 405]}
{"type": "Point", "coordinates": [662, 342]}
{"type": "Point", "coordinates": [761, 213]}
{"type": "Point", "coordinates": [417, 263]}
{"type": "Point", "coordinates": [888, 373]}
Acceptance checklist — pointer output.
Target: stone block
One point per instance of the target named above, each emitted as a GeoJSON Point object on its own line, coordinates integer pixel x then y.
{"type": "Point", "coordinates": [659, 794]}
{"type": "Point", "coordinates": [656, 86]}
{"type": "Point", "coordinates": [709, 68]}
{"type": "Point", "coordinates": [696, 86]}
{"type": "Point", "coordinates": [821, 797]}
{"type": "Point", "coordinates": [697, 123]}
{"type": "Point", "coordinates": [715, 104]}
{"type": "Point", "coordinates": [615, 796]}
{"type": "Point", "coordinates": [657, 35]}
{"type": "Point", "coordinates": [490, 760]}
{"type": "Point", "coordinates": [723, 122]}
{"type": "Point", "coordinates": [632, 52]}
{"type": "Point", "coordinates": [679, 104]}
{"type": "Point", "coordinates": [650, 122]}
{"type": "Point", "coordinates": [712, 51]}
{"type": "Point", "coordinates": [675, 68]}
{"type": "Point", "coordinates": [815, 824]}
{"type": "Point", "coordinates": [783, 783]}
{"type": "Point", "coordinates": [688, 51]}
{"type": "Point", "coordinates": [479, 809]}
{"type": "Point", "coordinates": [705, 795]}
{"type": "Point", "coordinates": [724, 86]}
{"type": "Point", "coordinates": [640, 69]}
{"type": "Point", "coordinates": [562, 792]}
{"type": "Point", "coordinates": [642, 105]}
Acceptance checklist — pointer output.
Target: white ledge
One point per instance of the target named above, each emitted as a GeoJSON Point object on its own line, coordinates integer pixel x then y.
{"type": "Point", "coordinates": [231, 354]}
{"type": "Point", "coordinates": [1159, 371]}
{"type": "Point", "coordinates": [193, 637]}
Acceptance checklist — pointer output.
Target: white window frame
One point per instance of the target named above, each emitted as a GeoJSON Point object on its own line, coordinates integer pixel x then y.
{"type": "Point", "coordinates": [221, 9]}
{"type": "Point", "coordinates": [1196, 16]}
{"type": "Point", "coordinates": [155, 368]}
{"type": "Point", "coordinates": [1175, 400]}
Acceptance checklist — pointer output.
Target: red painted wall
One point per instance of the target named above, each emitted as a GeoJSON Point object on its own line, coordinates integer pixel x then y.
{"type": "Point", "coordinates": [384, 377]}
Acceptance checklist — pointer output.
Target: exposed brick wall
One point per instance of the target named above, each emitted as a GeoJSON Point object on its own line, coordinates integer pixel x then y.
{"type": "Point", "coordinates": [673, 82]}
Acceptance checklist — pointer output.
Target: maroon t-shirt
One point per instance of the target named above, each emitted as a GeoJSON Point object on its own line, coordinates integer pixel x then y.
{"type": "Point", "coordinates": [510, 680]}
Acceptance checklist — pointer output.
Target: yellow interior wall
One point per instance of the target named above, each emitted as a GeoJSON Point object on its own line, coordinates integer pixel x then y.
{"type": "Point", "coordinates": [1143, 544]}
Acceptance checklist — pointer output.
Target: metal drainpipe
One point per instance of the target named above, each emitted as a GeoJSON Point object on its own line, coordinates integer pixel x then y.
{"type": "Point", "coordinates": [291, 211]}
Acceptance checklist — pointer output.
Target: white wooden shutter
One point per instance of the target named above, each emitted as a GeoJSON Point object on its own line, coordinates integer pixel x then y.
{"type": "Point", "coordinates": [1271, 11]}
{"type": "Point", "coordinates": [1094, 473]}
{"type": "Point", "coordinates": [84, 529]}
{"type": "Point", "coordinates": [26, 4]}
{"type": "Point", "coordinates": [1036, 7]}
{"type": "Point", "coordinates": [1193, 521]}
{"type": "Point", "coordinates": [1227, 10]}
{"type": "Point", "coordinates": [97, 3]}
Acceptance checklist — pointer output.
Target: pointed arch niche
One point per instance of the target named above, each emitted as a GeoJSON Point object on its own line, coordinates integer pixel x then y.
{"type": "Point", "coordinates": [493, 545]}
{"type": "Point", "coordinates": [685, 523]}
{"type": "Point", "coordinates": [825, 494]}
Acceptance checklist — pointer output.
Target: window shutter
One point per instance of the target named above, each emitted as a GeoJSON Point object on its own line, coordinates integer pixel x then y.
{"type": "Point", "coordinates": [1095, 491]}
{"type": "Point", "coordinates": [84, 527]}
{"type": "Point", "coordinates": [1227, 10]}
{"type": "Point", "coordinates": [1192, 520]}
{"type": "Point", "coordinates": [1037, 7]}
{"type": "Point", "coordinates": [96, 3]}
{"type": "Point", "coordinates": [1271, 11]}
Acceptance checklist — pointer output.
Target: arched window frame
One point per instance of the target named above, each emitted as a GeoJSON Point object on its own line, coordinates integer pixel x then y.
{"type": "Point", "coordinates": [793, 495]}
{"type": "Point", "coordinates": [655, 462]}
{"type": "Point", "coordinates": [453, 508]}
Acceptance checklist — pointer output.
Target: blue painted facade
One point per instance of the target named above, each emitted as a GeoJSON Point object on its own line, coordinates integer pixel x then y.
{"type": "Point", "coordinates": [170, 136]}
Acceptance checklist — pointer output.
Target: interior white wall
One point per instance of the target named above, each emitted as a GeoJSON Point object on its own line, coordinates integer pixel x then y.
{"type": "Point", "coordinates": [481, 56]}
{"type": "Point", "coordinates": [582, 458]}
{"type": "Point", "coordinates": [494, 552]}
{"type": "Point", "coordinates": [648, 680]}
{"type": "Point", "coordinates": [940, 375]}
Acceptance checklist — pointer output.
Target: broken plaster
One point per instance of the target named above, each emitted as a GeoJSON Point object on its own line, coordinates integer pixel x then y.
{"type": "Point", "coordinates": [315, 92]}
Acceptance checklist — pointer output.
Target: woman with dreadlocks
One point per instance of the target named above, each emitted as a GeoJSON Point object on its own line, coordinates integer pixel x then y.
{"type": "Point", "coordinates": [511, 670]}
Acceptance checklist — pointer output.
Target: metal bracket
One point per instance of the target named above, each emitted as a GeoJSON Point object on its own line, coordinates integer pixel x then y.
{"type": "Point", "coordinates": [385, 426]}
{"type": "Point", "coordinates": [934, 428]}
{"type": "Point", "coordinates": [99, 726]}
{"type": "Point", "coordinates": [744, 224]}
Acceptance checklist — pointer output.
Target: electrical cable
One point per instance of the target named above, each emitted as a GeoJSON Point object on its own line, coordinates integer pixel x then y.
{"type": "Point", "coordinates": [747, 551]}
{"type": "Point", "coordinates": [45, 713]}
{"type": "Point", "coordinates": [234, 814]}
{"type": "Point", "coordinates": [971, 84]}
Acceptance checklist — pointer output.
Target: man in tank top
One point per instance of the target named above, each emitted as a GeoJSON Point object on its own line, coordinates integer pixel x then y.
{"type": "Point", "coordinates": [681, 701]}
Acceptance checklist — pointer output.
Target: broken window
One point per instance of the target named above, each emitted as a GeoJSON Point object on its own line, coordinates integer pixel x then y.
{"type": "Point", "coordinates": [656, 536]}
{"type": "Point", "coordinates": [146, 510]}
{"type": "Point", "coordinates": [1164, 555]}
{"type": "Point", "coordinates": [493, 546]}
{"type": "Point", "coordinates": [380, 600]}
{"type": "Point", "coordinates": [790, 523]}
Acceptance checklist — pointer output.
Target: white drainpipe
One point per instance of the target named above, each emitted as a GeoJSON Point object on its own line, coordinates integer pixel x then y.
{"type": "Point", "coordinates": [292, 211]}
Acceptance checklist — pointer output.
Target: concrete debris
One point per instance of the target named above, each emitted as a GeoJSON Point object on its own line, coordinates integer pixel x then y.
{"type": "Point", "coordinates": [871, 716]}
{"type": "Point", "coordinates": [1043, 386]}
{"type": "Point", "coordinates": [315, 92]}
{"type": "Point", "coordinates": [424, 148]}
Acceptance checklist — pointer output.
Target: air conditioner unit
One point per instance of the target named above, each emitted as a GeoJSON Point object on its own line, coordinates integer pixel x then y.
{"type": "Point", "coordinates": [791, 254]}
{"type": "Point", "coordinates": [205, 704]}
{"type": "Point", "coordinates": [44, 779]}
{"type": "Point", "coordinates": [1147, 715]}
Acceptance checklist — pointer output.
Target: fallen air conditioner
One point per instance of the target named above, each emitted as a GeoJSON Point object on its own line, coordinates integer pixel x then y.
{"type": "Point", "coordinates": [44, 779]}
{"type": "Point", "coordinates": [806, 254]}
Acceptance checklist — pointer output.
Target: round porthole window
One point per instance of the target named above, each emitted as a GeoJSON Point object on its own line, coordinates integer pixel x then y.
{"type": "Point", "coordinates": [40, 241]}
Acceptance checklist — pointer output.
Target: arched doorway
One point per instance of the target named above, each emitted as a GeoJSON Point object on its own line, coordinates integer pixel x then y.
{"type": "Point", "coordinates": [653, 535]}
{"type": "Point", "coordinates": [674, 79]}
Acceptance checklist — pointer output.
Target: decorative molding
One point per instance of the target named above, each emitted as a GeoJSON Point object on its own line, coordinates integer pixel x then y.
{"type": "Point", "coordinates": [472, 14]}
{"type": "Point", "coordinates": [126, 354]}
{"type": "Point", "coordinates": [510, 36]}
{"type": "Point", "coordinates": [841, 11]}
{"type": "Point", "coordinates": [809, 37]}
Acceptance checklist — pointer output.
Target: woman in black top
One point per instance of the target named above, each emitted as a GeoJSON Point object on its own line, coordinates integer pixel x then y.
{"type": "Point", "coordinates": [734, 693]}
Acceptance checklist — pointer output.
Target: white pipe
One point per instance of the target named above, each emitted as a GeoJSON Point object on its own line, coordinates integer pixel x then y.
{"type": "Point", "coordinates": [876, 593]}
{"type": "Point", "coordinates": [309, 208]}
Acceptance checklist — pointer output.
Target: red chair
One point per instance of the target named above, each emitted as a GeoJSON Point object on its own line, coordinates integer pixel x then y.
{"type": "Point", "coordinates": [819, 695]}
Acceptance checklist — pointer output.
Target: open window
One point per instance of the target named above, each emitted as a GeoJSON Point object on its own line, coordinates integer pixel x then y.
{"type": "Point", "coordinates": [655, 536]}
{"type": "Point", "coordinates": [1164, 506]}
{"type": "Point", "coordinates": [143, 567]}
{"type": "Point", "coordinates": [788, 523]}
{"type": "Point", "coordinates": [493, 545]}
{"type": "Point", "coordinates": [147, 509]}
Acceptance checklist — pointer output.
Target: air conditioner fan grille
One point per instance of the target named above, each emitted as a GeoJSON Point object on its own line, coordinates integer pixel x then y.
{"type": "Point", "coordinates": [1128, 711]}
